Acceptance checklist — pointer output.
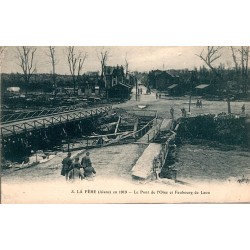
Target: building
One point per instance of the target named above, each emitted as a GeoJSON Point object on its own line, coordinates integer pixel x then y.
{"type": "Point", "coordinates": [117, 83]}
{"type": "Point", "coordinates": [89, 84]}
{"type": "Point", "coordinates": [161, 80]}
{"type": "Point", "coordinates": [203, 89]}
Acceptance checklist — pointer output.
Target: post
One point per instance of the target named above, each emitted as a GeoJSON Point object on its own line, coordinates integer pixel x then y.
{"type": "Point", "coordinates": [189, 106]}
{"type": "Point", "coordinates": [228, 105]}
{"type": "Point", "coordinates": [148, 138]}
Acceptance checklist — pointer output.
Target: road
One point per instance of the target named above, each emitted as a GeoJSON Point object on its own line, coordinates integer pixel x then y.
{"type": "Point", "coordinates": [164, 104]}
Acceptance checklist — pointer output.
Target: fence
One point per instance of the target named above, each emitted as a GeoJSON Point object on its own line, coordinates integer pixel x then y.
{"type": "Point", "coordinates": [160, 160]}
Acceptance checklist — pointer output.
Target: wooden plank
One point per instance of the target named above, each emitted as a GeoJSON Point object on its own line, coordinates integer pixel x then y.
{"type": "Point", "coordinates": [144, 165]}
{"type": "Point", "coordinates": [136, 126]}
{"type": "Point", "coordinates": [166, 124]}
{"type": "Point", "coordinates": [117, 125]}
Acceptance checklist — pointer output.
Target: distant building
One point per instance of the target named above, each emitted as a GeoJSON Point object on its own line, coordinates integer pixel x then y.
{"type": "Point", "coordinates": [117, 83]}
{"type": "Point", "coordinates": [89, 84]}
{"type": "Point", "coordinates": [203, 89]}
{"type": "Point", "coordinates": [161, 80]}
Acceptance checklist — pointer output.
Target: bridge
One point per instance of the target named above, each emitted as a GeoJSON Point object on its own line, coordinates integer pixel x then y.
{"type": "Point", "coordinates": [28, 121]}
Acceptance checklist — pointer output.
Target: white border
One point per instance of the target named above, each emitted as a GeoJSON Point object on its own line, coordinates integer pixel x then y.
{"type": "Point", "coordinates": [107, 23]}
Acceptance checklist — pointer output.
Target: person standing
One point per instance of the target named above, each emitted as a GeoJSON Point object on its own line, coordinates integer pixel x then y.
{"type": "Point", "coordinates": [172, 112]}
{"type": "Point", "coordinates": [86, 162]}
{"type": "Point", "coordinates": [183, 112]}
{"type": "Point", "coordinates": [243, 108]}
{"type": "Point", "coordinates": [75, 172]}
{"type": "Point", "coordinates": [197, 103]}
{"type": "Point", "coordinates": [66, 166]}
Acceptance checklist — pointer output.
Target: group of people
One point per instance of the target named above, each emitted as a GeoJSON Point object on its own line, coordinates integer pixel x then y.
{"type": "Point", "coordinates": [139, 91]}
{"type": "Point", "coordinates": [73, 170]}
{"type": "Point", "coordinates": [199, 103]}
{"type": "Point", "coordinates": [158, 95]}
{"type": "Point", "coordinates": [183, 112]}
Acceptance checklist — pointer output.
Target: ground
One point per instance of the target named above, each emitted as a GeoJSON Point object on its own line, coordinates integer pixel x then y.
{"type": "Point", "coordinates": [197, 163]}
{"type": "Point", "coordinates": [206, 163]}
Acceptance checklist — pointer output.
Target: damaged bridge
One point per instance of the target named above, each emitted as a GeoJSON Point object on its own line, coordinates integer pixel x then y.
{"type": "Point", "coordinates": [24, 132]}
{"type": "Point", "coordinates": [29, 121]}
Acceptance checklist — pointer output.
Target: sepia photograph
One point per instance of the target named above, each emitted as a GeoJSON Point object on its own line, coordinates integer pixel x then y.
{"type": "Point", "coordinates": [125, 124]}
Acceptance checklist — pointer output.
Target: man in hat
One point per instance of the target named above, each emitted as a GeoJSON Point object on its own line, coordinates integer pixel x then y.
{"type": "Point", "coordinates": [66, 166]}
{"type": "Point", "coordinates": [86, 162]}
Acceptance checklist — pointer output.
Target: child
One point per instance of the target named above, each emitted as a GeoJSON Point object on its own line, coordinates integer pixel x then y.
{"type": "Point", "coordinates": [75, 172]}
{"type": "Point", "coordinates": [89, 172]}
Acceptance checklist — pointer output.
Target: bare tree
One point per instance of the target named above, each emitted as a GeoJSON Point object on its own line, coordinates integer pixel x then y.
{"type": "Point", "coordinates": [244, 55]}
{"type": "Point", "coordinates": [103, 57]}
{"type": "Point", "coordinates": [2, 49]}
{"type": "Point", "coordinates": [53, 61]}
{"type": "Point", "coordinates": [241, 57]}
{"type": "Point", "coordinates": [25, 57]}
{"type": "Point", "coordinates": [234, 55]}
{"type": "Point", "coordinates": [75, 62]}
{"type": "Point", "coordinates": [126, 65]}
{"type": "Point", "coordinates": [212, 54]}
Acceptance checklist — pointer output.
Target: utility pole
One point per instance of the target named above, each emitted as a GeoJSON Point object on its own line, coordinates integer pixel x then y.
{"type": "Point", "coordinates": [190, 94]}
{"type": "Point", "coordinates": [136, 87]}
{"type": "Point", "coordinates": [156, 81]}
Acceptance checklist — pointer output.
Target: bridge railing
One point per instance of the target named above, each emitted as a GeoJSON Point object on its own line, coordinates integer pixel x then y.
{"type": "Point", "coordinates": [43, 122]}
{"type": "Point", "coordinates": [131, 134]}
{"type": "Point", "coordinates": [159, 161]}
{"type": "Point", "coordinates": [39, 113]}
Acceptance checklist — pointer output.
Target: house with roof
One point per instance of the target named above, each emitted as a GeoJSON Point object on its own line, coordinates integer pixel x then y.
{"type": "Point", "coordinates": [117, 83]}
{"type": "Point", "coordinates": [162, 80]}
{"type": "Point", "coordinates": [203, 89]}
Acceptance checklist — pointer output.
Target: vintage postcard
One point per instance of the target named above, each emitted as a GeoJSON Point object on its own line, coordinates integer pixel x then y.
{"type": "Point", "coordinates": [125, 124]}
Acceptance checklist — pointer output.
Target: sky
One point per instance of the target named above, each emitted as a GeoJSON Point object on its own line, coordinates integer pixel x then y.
{"type": "Point", "coordinates": [143, 58]}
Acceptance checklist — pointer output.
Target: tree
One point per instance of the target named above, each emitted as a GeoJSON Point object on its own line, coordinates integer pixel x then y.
{"type": "Point", "coordinates": [103, 57]}
{"type": "Point", "coordinates": [25, 57]}
{"type": "Point", "coordinates": [240, 57]}
{"type": "Point", "coordinates": [213, 53]}
{"type": "Point", "coordinates": [2, 49]}
{"type": "Point", "coordinates": [53, 61]}
{"type": "Point", "coordinates": [234, 55]}
{"type": "Point", "coordinates": [126, 65]}
{"type": "Point", "coordinates": [244, 55]}
{"type": "Point", "coordinates": [75, 62]}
